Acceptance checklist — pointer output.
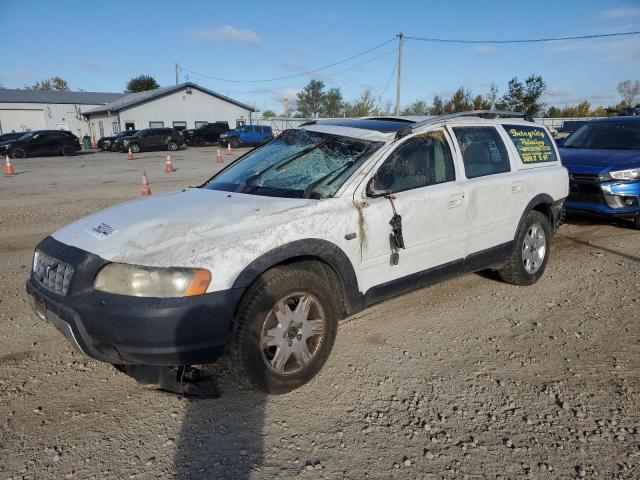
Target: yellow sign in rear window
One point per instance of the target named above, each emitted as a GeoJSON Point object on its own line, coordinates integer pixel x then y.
{"type": "Point", "coordinates": [533, 143]}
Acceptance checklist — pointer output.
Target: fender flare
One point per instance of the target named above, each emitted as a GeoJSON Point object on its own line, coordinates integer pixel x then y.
{"type": "Point", "coordinates": [310, 248]}
{"type": "Point", "coordinates": [540, 199]}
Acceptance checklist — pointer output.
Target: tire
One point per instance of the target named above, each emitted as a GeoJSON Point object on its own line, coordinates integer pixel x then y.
{"type": "Point", "coordinates": [198, 142]}
{"type": "Point", "coordinates": [19, 153]}
{"type": "Point", "coordinates": [135, 148]}
{"type": "Point", "coordinates": [288, 287]}
{"type": "Point", "coordinates": [172, 146]}
{"type": "Point", "coordinates": [235, 143]}
{"type": "Point", "coordinates": [67, 150]}
{"type": "Point", "coordinates": [530, 253]}
{"type": "Point", "coordinates": [636, 222]}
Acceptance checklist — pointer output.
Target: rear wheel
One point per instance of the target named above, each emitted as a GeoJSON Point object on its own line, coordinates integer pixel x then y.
{"type": "Point", "coordinates": [18, 153]}
{"type": "Point", "coordinates": [67, 150]}
{"type": "Point", "coordinates": [530, 252]}
{"type": "Point", "coordinates": [173, 146]}
{"type": "Point", "coordinates": [285, 328]}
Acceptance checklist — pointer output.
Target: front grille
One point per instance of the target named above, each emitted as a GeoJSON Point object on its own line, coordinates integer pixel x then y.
{"type": "Point", "coordinates": [586, 197]}
{"type": "Point", "coordinates": [51, 272]}
{"type": "Point", "coordinates": [584, 177]}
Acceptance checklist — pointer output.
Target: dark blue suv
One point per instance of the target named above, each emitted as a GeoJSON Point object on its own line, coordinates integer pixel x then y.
{"type": "Point", "coordinates": [246, 135]}
{"type": "Point", "coordinates": [603, 159]}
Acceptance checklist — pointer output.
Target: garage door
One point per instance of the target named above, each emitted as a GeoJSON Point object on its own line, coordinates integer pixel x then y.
{"type": "Point", "coordinates": [21, 120]}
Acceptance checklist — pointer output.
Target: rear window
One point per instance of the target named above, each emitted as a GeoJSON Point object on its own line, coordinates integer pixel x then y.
{"type": "Point", "coordinates": [532, 143]}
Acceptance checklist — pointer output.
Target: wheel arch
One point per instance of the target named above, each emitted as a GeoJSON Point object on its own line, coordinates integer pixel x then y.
{"type": "Point", "coordinates": [325, 253]}
{"type": "Point", "coordinates": [542, 203]}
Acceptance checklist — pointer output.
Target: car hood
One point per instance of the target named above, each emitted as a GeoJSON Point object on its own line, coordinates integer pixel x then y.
{"type": "Point", "coordinates": [597, 161]}
{"type": "Point", "coordinates": [169, 229]}
{"type": "Point", "coordinates": [7, 143]}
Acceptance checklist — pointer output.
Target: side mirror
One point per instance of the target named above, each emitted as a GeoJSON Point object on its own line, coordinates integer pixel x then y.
{"type": "Point", "coordinates": [373, 189]}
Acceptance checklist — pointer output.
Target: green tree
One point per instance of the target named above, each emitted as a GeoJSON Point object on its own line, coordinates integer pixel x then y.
{"type": "Point", "coordinates": [365, 106]}
{"type": "Point", "coordinates": [437, 107]}
{"type": "Point", "coordinates": [418, 107]}
{"type": "Point", "coordinates": [333, 104]}
{"type": "Point", "coordinates": [141, 83]}
{"type": "Point", "coordinates": [311, 99]}
{"type": "Point", "coordinates": [54, 83]}
{"type": "Point", "coordinates": [460, 101]}
{"type": "Point", "coordinates": [524, 98]}
{"type": "Point", "coordinates": [268, 114]}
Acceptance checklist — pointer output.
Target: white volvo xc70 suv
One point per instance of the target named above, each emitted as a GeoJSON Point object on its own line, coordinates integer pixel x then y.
{"type": "Point", "coordinates": [262, 260]}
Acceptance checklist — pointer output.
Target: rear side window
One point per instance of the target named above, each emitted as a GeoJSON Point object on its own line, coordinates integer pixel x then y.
{"type": "Point", "coordinates": [483, 152]}
{"type": "Point", "coordinates": [419, 162]}
{"type": "Point", "coordinates": [532, 143]}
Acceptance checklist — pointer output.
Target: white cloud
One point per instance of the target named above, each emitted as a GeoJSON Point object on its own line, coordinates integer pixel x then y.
{"type": "Point", "coordinates": [625, 50]}
{"type": "Point", "coordinates": [226, 33]}
{"type": "Point", "coordinates": [621, 12]}
{"type": "Point", "coordinates": [484, 49]}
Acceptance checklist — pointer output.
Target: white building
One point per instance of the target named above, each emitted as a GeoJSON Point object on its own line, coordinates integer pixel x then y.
{"type": "Point", "coordinates": [186, 105]}
{"type": "Point", "coordinates": [24, 110]}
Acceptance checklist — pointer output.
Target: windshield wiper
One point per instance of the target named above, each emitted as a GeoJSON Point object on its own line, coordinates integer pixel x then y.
{"type": "Point", "coordinates": [249, 182]}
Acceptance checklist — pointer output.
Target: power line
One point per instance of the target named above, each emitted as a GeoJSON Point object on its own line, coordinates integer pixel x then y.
{"type": "Point", "coordinates": [265, 80]}
{"type": "Point", "coordinates": [528, 40]}
{"type": "Point", "coordinates": [266, 90]}
{"type": "Point", "coordinates": [395, 65]}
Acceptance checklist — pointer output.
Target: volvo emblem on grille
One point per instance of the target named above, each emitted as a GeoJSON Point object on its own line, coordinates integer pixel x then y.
{"type": "Point", "coordinates": [47, 269]}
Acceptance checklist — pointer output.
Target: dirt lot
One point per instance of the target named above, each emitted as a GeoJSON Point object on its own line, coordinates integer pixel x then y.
{"type": "Point", "coordinates": [471, 378]}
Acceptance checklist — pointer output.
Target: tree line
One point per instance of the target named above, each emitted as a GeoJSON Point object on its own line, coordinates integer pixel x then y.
{"type": "Point", "coordinates": [521, 96]}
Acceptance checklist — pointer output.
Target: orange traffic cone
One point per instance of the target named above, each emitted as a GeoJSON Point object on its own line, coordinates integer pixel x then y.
{"type": "Point", "coordinates": [229, 149]}
{"type": "Point", "coordinates": [8, 168]}
{"type": "Point", "coordinates": [146, 189]}
{"type": "Point", "coordinates": [130, 156]}
{"type": "Point", "coordinates": [219, 157]}
{"type": "Point", "coordinates": [168, 166]}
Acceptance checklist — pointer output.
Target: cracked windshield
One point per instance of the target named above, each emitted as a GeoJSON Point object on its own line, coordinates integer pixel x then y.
{"type": "Point", "coordinates": [297, 164]}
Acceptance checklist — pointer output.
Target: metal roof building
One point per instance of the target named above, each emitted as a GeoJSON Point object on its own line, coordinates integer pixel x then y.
{"type": "Point", "coordinates": [181, 106]}
{"type": "Point", "coordinates": [24, 110]}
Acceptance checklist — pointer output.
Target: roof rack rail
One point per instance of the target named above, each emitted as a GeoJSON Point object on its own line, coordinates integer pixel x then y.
{"type": "Point", "coordinates": [472, 113]}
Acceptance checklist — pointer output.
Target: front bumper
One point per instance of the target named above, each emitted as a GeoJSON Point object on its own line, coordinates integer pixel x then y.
{"type": "Point", "coordinates": [613, 198]}
{"type": "Point", "coordinates": [132, 330]}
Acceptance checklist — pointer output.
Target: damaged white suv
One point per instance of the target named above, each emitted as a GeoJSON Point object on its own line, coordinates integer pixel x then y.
{"type": "Point", "coordinates": [325, 220]}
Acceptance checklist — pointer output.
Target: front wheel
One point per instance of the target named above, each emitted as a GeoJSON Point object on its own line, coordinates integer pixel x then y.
{"type": "Point", "coordinates": [284, 329]}
{"type": "Point", "coordinates": [636, 222]}
{"type": "Point", "coordinates": [172, 146]}
{"type": "Point", "coordinates": [135, 148]}
{"type": "Point", "coordinates": [198, 142]}
{"type": "Point", "coordinates": [530, 252]}
{"type": "Point", "coordinates": [235, 143]}
{"type": "Point", "coordinates": [18, 153]}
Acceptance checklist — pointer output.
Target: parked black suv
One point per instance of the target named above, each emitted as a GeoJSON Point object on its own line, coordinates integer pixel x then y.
{"type": "Point", "coordinates": [5, 137]}
{"type": "Point", "coordinates": [105, 142]}
{"type": "Point", "coordinates": [208, 133]}
{"type": "Point", "coordinates": [41, 142]}
{"type": "Point", "coordinates": [150, 139]}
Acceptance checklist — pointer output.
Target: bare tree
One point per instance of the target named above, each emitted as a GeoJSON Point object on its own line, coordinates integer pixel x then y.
{"type": "Point", "coordinates": [629, 91]}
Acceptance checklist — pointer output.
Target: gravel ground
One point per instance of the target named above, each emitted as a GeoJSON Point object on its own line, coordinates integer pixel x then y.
{"type": "Point", "coordinates": [471, 378]}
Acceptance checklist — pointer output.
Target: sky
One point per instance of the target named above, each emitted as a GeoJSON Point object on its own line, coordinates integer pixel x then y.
{"type": "Point", "coordinates": [99, 46]}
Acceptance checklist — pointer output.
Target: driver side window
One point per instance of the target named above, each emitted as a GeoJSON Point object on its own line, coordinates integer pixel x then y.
{"type": "Point", "coordinates": [419, 162]}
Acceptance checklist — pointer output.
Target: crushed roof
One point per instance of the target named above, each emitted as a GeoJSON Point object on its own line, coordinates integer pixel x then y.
{"type": "Point", "coordinates": [137, 98]}
{"type": "Point", "coordinates": [14, 95]}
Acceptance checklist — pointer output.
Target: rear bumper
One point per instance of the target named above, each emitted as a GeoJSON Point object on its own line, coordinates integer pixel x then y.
{"type": "Point", "coordinates": [132, 330]}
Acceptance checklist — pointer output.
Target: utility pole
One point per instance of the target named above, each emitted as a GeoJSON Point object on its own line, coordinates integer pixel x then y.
{"type": "Point", "coordinates": [177, 76]}
{"type": "Point", "coordinates": [400, 38]}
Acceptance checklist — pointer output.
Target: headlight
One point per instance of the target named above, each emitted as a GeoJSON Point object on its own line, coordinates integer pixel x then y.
{"type": "Point", "coordinates": [125, 142]}
{"type": "Point", "coordinates": [139, 281]}
{"type": "Point", "coordinates": [631, 174]}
